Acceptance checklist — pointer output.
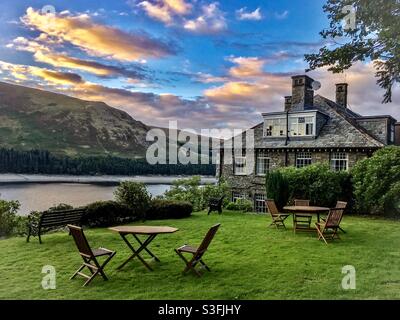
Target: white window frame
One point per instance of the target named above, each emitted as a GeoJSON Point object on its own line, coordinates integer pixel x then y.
{"type": "Point", "coordinates": [275, 127]}
{"type": "Point", "coordinates": [392, 133]}
{"type": "Point", "coordinates": [262, 157]}
{"type": "Point", "coordinates": [303, 159]}
{"type": "Point", "coordinates": [298, 128]}
{"type": "Point", "coordinates": [259, 203]}
{"type": "Point", "coordinates": [240, 163]}
{"type": "Point", "coordinates": [237, 195]}
{"type": "Point", "coordinates": [339, 161]}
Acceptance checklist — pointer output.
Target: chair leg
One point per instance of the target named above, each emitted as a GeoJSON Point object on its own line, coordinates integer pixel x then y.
{"type": "Point", "coordinates": [190, 265]}
{"type": "Point", "coordinates": [320, 234]}
{"type": "Point", "coordinates": [204, 265]}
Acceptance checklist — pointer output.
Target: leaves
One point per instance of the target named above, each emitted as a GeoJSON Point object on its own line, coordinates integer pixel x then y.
{"type": "Point", "coordinates": [375, 37]}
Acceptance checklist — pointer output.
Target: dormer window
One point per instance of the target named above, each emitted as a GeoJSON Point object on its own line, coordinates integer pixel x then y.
{"type": "Point", "coordinates": [300, 126]}
{"type": "Point", "coordinates": [275, 127]}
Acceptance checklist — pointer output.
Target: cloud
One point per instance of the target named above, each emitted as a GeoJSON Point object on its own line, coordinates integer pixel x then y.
{"type": "Point", "coordinates": [42, 53]}
{"type": "Point", "coordinates": [242, 14]}
{"type": "Point", "coordinates": [97, 39]}
{"type": "Point", "coordinates": [165, 10]}
{"type": "Point", "coordinates": [211, 21]}
{"type": "Point", "coordinates": [281, 15]}
{"type": "Point", "coordinates": [24, 72]}
{"type": "Point", "coordinates": [247, 67]}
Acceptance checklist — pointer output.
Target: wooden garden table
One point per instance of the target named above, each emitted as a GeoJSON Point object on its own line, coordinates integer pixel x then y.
{"type": "Point", "coordinates": [150, 231]}
{"type": "Point", "coordinates": [307, 209]}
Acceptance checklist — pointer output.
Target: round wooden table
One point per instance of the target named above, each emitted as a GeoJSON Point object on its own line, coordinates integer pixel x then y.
{"type": "Point", "coordinates": [306, 209]}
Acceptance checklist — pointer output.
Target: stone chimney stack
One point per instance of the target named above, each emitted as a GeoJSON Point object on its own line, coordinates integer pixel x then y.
{"type": "Point", "coordinates": [288, 103]}
{"type": "Point", "coordinates": [341, 94]}
{"type": "Point", "coordinates": [302, 92]}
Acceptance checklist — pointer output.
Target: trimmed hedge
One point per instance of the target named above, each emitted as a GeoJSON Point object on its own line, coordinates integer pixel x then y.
{"type": "Point", "coordinates": [169, 209]}
{"type": "Point", "coordinates": [107, 213]}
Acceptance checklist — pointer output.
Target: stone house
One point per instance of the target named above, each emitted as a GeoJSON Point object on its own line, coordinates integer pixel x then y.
{"type": "Point", "coordinates": [309, 129]}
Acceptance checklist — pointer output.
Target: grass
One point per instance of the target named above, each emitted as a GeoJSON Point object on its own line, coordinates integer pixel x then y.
{"type": "Point", "coordinates": [248, 261]}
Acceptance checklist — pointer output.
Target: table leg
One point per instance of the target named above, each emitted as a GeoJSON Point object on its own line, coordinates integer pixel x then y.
{"type": "Point", "coordinates": [136, 252]}
{"type": "Point", "coordinates": [145, 248]}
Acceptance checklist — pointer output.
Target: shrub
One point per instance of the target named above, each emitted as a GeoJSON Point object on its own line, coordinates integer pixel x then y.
{"type": "Point", "coordinates": [135, 196]}
{"type": "Point", "coordinates": [318, 183]}
{"type": "Point", "coordinates": [191, 190]}
{"type": "Point", "coordinates": [107, 213]}
{"type": "Point", "coordinates": [376, 183]}
{"type": "Point", "coordinates": [169, 209]}
{"type": "Point", "coordinates": [243, 205]}
{"type": "Point", "coordinates": [187, 190]}
{"type": "Point", "coordinates": [8, 217]}
{"type": "Point", "coordinates": [277, 188]}
{"type": "Point", "coordinates": [60, 207]}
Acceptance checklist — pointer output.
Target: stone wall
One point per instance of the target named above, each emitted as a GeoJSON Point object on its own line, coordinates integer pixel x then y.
{"type": "Point", "coordinates": [377, 127]}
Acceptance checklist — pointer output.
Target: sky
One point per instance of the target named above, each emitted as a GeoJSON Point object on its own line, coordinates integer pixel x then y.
{"type": "Point", "coordinates": [205, 64]}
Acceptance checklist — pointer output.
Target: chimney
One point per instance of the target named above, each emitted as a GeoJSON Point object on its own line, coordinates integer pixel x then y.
{"type": "Point", "coordinates": [341, 94]}
{"type": "Point", "coordinates": [302, 92]}
{"type": "Point", "coordinates": [288, 103]}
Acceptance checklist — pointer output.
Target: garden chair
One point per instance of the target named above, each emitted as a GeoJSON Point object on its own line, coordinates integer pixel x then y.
{"type": "Point", "coordinates": [302, 221]}
{"type": "Point", "coordinates": [89, 256]}
{"type": "Point", "coordinates": [215, 204]}
{"type": "Point", "coordinates": [277, 218]}
{"type": "Point", "coordinates": [328, 230]}
{"type": "Point", "coordinates": [339, 205]}
{"type": "Point", "coordinates": [197, 253]}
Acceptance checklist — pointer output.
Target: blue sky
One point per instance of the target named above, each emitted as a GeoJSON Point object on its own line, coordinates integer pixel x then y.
{"type": "Point", "coordinates": [204, 63]}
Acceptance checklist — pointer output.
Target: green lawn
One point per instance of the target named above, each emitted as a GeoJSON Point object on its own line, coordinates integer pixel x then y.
{"type": "Point", "coordinates": [248, 261]}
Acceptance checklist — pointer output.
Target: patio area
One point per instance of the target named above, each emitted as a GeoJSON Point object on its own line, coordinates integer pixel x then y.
{"type": "Point", "coordinates": [248, 260]}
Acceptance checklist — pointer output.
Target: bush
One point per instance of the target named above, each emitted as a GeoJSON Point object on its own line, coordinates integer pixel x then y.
{"type": "Point", "coordinates": [191, 190]}
{"type": "Point", "coordinates": [8, 217]}
{"type": "Point", "coordinates": [376, 183]}
{"type": "Point", "coordinates": [277, 188]}
{"type": "Point", "coordinates": [243, 205]}
{"type": "Point", "coordinates": [135, 196]}
{"type": "Point", "coordinates": [318, 183]}
{"type": "Point", "coordinates": [60, 207]}
{"type": "Point", "coordinates": [169, 209]}
{"type": "Point", "coordinates": [107, 213]}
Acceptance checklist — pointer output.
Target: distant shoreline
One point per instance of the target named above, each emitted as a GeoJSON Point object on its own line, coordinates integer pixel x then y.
{"type": "Point", "coordinates": [10, 178]}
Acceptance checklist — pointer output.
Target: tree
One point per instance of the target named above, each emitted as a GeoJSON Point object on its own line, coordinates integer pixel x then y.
{"type": "Point", "coordinates": [375, 35]}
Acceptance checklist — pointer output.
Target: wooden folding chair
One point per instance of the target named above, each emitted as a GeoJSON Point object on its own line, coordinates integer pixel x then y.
{"type": "Point", "coordinates": [339, 205]}
{"type": "Point", "coordinates": [277, 218]}
{"type": "Point", "coordinates": [328, 230]}
{"type": "Point", "coordinates": [302, 221]}
{"type": "Point", "coordinates": [197, 252]}
{"type": "Point", "coordinates": [89, 256]}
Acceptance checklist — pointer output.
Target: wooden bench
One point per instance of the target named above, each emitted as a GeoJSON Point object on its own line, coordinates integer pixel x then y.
{"type": "Point", "coordinates": [52, 220]}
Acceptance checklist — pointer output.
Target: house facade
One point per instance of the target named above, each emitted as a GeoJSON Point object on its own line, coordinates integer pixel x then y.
{"type": "Point", "coordinates": [309, 129]}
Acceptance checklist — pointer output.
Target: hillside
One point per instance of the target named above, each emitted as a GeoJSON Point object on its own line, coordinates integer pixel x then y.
{"type": "Point", "coordinates": [37, 119]}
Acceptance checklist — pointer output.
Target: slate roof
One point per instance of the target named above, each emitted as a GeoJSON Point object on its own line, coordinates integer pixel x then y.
{"type": "Point", "coordinates": [340, 131]}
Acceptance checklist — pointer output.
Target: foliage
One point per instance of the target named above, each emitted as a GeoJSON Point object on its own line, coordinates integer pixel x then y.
{"type": "Point", "coordinates": [243, 205]}
{"type": "Point", "coordinates": [277, 188]}
{"type": "Point", "coordinates": [135, 196]}
{"type": "Point", "coordinates": [60, 207]}
{"type": "Point", "coordinates": [106, 213]}
{"type": "Point", "coordinates": [168, 209]}
{"type": "Point", "coordinates": [318, 183]}
{"type": "Point", "coordinates": [192, 191]}
{"type": "Point", "coordinates": [376, 182]}
{"type": "Point", "coordinates": [8, 217]}
{"type": "Point", "coordinates": [41, 161]}
{"type": "Point", "coordinates": [376, 37]}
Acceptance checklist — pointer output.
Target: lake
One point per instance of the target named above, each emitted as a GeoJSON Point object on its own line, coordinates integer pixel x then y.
{"type": "Point", "coordinates": [41, 196]}
{"type": "Point", "coordinates": [41, 192]}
